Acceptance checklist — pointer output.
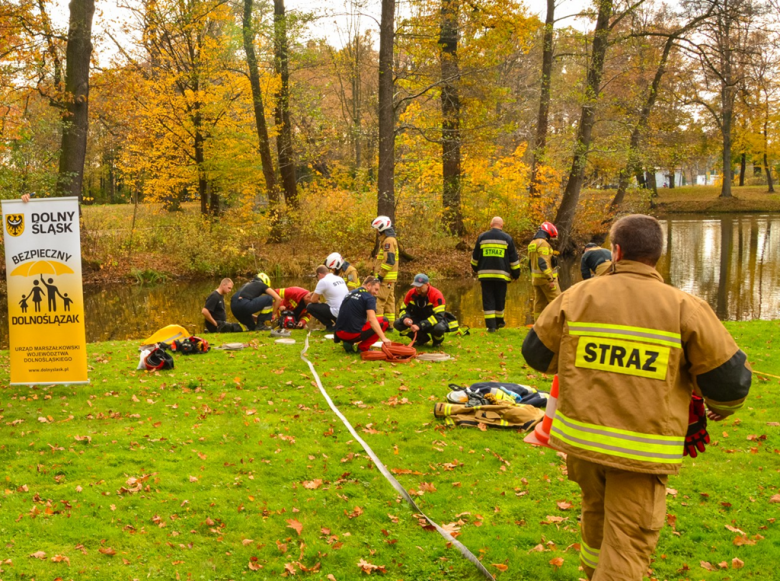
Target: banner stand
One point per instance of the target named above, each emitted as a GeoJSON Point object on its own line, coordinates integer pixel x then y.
{"type": "Point", "coordinates": [46, 336]}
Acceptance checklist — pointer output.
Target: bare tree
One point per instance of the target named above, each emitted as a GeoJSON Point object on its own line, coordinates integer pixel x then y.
{"type": "Point", "coordinates": [76, 98]}
{"type": "Point", "coordinates": [386, 172]}
{"type": "Point", "coordinates": [450, 112]}
{"type": "Point", "coordinates": [262, 130]}
{"type": "Point", "coordinates": [723, 49]}
{"type": "Point", "coordinates": [284, 147]}
{"type": "Point", "coordinates": [540, 143]}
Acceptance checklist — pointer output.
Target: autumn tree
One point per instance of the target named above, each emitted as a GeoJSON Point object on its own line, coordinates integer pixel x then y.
{"type": "Point", "coordinates": [542, 119]}
{"type": "Point", "coordinates": [284, 141]}
{"type": "Point", "coordinates": [386, 114]}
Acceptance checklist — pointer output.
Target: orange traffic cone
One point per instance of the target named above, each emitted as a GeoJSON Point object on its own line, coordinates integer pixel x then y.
{"type": "Point", "coordinates": [541, 434]}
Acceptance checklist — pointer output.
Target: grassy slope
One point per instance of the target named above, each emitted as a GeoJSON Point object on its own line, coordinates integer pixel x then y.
{"type": "Point", "coordinates": [251, 428]}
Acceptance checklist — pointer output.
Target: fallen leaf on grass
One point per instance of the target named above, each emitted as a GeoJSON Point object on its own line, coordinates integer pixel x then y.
{"type": "Point", "coordinates": [367, 567]}
{"type": "Point", "coordinates": [671, 492]}
{"type": "Point", "coordinates": [743, 540]}
{"type": "Point", "coordinates": [707, 566]}
{"type": "Point", "coordinates": [312, 484]}
{"type": "Point", "coordinates": [86, 439]}
{"type": "Point", "coordinates": [290, 568]}
{"type": "Point", "coordinates": [723, 565]}
{"type": "Point", "coordinates": [775, 498]}
{"type": "Point", "coordinates": [60, 559]}
{"type": "Point", "coordinates": [427, 487]}
{"type": "Point", "coordinates": [734, 530]}
{"type": "Point", "coordinates": [282, 547]}
{"type": "Point", "coordinates": [538, 549]}
{"type": "Point", "coordinates": [553, 519]}
{"type": "Point", "coordinates": [193, 478]}
{"type": "Point", "coordinates": [499, 566]}
{"type": "Point", "coordinates": [737, 563]}
{"type": "Point", "coordinates": [38, 555]}
{"type": "Point", "coordinates": [565, 505]}
{"type": "Point", "coordinates": [671, 520]}
{"type": "Point", "coordinates": [107, 551]}
{"type": "Point", "coordinates": [246, 542]}
{"type": "Point", "coordinates": [254, 565]}
{"type": "Point", "coordinates": [295, 525]}
{"type": "Point", "coordinates": [556, 562]}
{"type": "Point", "coordinates": [331, 577]}
{"type": "Point", "coordinates": [355, 513]}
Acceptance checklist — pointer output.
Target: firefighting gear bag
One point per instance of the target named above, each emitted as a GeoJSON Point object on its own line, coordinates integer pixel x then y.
{"type": "Point", "coordinates": [697, 437]}
{"type": "Point", "coordinates": [500, 390]}
{"type": "Point", "coordinates": [500, 414]}
{"type": "Point", "coordinates": [189, 346]}
{"type": "Point", "coordinates": [157, 359]}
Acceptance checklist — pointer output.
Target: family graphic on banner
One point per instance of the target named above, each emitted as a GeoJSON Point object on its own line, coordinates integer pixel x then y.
{"type": "Point", "coordinates": [47, 340]}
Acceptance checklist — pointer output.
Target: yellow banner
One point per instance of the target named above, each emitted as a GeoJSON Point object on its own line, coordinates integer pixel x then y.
{"type": "Point", "coordinates": [626, 357]}
{"type": "Point", "coordinates": [47, 342]}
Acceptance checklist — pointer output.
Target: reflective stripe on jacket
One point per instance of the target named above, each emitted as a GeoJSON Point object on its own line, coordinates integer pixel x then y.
{"type": "Point", "coordinates": [425, 310]}
{"type": "Point", "coordinates": [495, 256]}
{"type": "Point", "coordinates": [387, 259]}
{"type": "Point", "coordinates": [629, 350]}
{"type": "Point", "coordinates": [350, 275]}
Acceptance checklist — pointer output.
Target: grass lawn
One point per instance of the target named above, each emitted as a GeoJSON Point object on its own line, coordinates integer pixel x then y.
{"type": "Point", "coordinates": [231, 466]}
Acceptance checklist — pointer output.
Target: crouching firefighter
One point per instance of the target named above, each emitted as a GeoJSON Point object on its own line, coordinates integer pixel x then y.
{"type": "Point", "coordinates": [423, 312]}
{"type": "Point", "coordinates": [292, 312]}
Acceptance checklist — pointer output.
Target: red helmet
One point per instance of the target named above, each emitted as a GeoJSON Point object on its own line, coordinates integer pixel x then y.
{"type": "Point", "coordinates": [550, 228]}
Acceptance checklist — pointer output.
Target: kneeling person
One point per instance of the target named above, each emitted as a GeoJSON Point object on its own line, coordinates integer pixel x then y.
{"type": "Point", "coordinates": [214, 312]}
{"type": "Point", "coordinates": [423, 313]}
{"type": "Point", "coordinates": [255, 298]}
{"type": "Point", "coordinates": [294, 299]}
{"type": "Point", "coordinates": [333, 289]}
{"type": "Point", "coordinates": [357, 322]}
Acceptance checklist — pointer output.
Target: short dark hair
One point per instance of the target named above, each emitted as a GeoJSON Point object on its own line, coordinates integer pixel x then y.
{"type": "Point", "coordinates": [640, 238]}
{"type": "Point", "coordinates": [322, 269]}
{"type": "Point", "coordinates": [369, 280]}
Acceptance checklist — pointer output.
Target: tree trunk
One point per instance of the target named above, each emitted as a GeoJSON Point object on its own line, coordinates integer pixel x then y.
{"type": "Point", "coordinates": [357, 107]}
{"type": "Point", "coordinates": [450, 113]}
{"type": "Point", "coordinates": [540, 143]}
{"type": "Point", "coordinates": [386, 113]}
{"type": "Point", "coordinates": [742, 167]}
{"type": "Point", "coordinates": [272, 189]}
{"type": "Point", "coordinates": [571, 195]}
{"type": "Point", "coordinates": [671, 179]}
{"type": "Point", "coordinates": [200, 158]}
{"type": "Point", "coordinates": [641, 125]}
{"type": "Point", "coordinates": [727, 109]}
{"type": "Point", "coordinates": [76, 115]}
{"type": "Point", "coordinates": [767, 169]}
{"type": "Point", "coordinates": [284, 146]}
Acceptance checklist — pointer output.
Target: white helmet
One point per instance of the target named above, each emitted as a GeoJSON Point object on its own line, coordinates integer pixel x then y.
{"type": "Point", "coordinates": [334, 261]}
{"type": "Point", "coordinates": [265, 278]}
{"type": "Point", "coordinates": [381, 223]}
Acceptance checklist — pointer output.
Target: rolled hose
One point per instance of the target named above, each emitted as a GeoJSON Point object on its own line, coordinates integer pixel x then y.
{"type": "Point", "coordinates": [394, 353]}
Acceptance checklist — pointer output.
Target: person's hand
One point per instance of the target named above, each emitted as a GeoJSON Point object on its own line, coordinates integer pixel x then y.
{"type": "Point", "coordinates": [415, 328]}
{"type": "Point", "coordinates": [408, 322]}
{"type": "Point", "coordinates": [715, 417]}
{"type": "Point", "coordinates": [25, 198]}
{"type": "Point", "coordinates": [386, 341]}
{"type": "Point", "coordinates": [697, 438]}
{"type": "Point", "coordinates": [300, 324]}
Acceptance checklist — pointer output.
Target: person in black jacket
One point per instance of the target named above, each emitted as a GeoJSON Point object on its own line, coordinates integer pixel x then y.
{"type": "Point", "coordinates": [595, 261]}
{"type": "Point", "coordinates": [256, 302]}
{"type": "Point", "coordinates": [496, 263]}
{"type": "Point", "coordinates": [214, 312]}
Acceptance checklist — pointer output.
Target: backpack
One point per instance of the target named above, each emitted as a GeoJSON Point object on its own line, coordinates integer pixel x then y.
{"type": "Point", "coordinates": [513, 392]}
{"type": "Point", "coordinates": [190, 345]}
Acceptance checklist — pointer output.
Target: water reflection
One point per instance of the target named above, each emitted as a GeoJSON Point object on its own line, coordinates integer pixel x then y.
{"type": "Point", "coordinates": [731, 261]}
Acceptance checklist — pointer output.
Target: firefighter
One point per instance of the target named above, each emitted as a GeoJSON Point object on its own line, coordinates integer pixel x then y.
{"type": "Point", "coordinates": [357, 325]}
{"type": "Point", "coordinates": [344, 269]}
{"type": "Point", "coordinates": [423, 312]}
{"type": "Point", "coordinates": [595, 261]}
{"type": "Point", "coordinates": [294, 300]}
{"type": "Point", "coordinates": [496, 263]}
{"type": "Point", "coordinates": [544, 277]}
{"type": "Point", "coordinates": [629, 352]}
{"type": "Point", "coordinates": [255, 302]}
{"type": "Point", "coordinates": [386, 267]}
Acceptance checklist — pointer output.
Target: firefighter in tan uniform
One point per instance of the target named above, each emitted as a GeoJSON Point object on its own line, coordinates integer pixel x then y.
{"type": "Point", "coordinates": [629, 352]}
{"type": "Point", "coordinates": [344, 269]}
{"type": "Point", "coordinates": [544, 277]}
{"type": "Point", "coordinates": [386, 268]}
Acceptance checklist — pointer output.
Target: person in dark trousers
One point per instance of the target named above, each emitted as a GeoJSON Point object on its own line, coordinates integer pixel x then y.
{"type": "Point", "coordinates": [544, 274]}
{"type": "Point", "coordinates": [357, 325]}
{"type": "Point", "coordinates": [496, 263]}
{"type": "Point", "coordinates": [422, 313]}
{"type": "Point", "coordinates": [595, 261]}
{"type": "Point", "coordinates": [332, 289]}
{"type": "Point", "coordinates": [215, 313]}
{"type": "Point", "coordinates": [256, 298]}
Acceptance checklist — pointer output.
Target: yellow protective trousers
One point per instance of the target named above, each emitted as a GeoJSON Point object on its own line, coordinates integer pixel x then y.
{"type": "Point", "coordinates": [622, 516]}
{"type": "Point", "coordinates": [385, 302]}
{"type": "Point", "coordinates": [544, 295]}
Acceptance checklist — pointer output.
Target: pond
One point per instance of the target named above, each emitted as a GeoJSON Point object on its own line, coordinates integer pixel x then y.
{"type": "Point", "coordinates": [731, 261]}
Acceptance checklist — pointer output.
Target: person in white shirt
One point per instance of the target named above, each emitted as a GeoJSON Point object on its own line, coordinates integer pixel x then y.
{"type": "Point", "coordinates": [333, 289]}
